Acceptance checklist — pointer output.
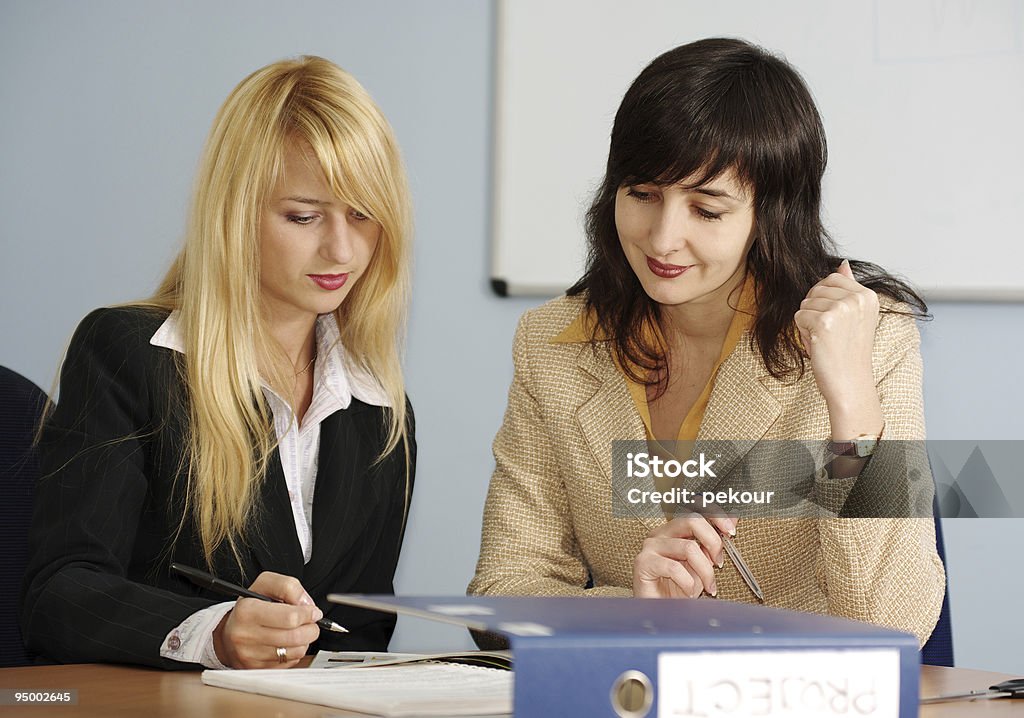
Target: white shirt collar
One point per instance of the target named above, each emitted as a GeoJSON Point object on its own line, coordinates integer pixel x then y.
{"type": "Point", "coordinates": [334, 369]}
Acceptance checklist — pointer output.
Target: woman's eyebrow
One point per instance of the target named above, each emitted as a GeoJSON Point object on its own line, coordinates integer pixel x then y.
{"type": "Point", "coordinates": [713, 192]}
{"type": "Point", "coordinates": [306, 200]}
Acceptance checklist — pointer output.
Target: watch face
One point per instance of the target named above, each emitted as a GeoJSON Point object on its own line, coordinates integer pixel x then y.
{"type": "Point", "coordinates": [866, 446]}
{"type": "Point", "coordinates": [861, 447]}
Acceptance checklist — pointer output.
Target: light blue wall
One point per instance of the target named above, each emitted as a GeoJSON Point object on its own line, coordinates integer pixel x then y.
{"type": "Point", "coordinates": [103, 110]}
{"type": "Point", "coordinates": [973, 390]}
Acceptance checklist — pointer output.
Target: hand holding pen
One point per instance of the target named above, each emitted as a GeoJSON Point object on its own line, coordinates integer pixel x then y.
{"type": "Point", "coordinates": [679, 558]}
{"type": "Point", "coordinates": [270, 626]}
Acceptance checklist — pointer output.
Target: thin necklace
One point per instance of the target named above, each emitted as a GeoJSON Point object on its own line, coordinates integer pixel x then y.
{"type": "Point", "coordinates": [306, 368]}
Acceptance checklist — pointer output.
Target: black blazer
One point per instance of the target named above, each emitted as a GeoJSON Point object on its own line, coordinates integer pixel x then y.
{"type": "Point", "coordinates": [98, 586]}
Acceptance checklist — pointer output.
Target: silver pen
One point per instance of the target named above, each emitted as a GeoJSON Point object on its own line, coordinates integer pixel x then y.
{"type": "Point", "coordinates": [741, 566]}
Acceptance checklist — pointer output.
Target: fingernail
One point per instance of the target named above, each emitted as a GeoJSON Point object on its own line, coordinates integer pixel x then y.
{"type": "Point", "coordinates": [317, 614]}
{"type": "Point", "coordinates": [714, 589]}
{"type": "Point", "coordinates": [306, 600]}
{"type": "Point", "coordinates": [721, 562]}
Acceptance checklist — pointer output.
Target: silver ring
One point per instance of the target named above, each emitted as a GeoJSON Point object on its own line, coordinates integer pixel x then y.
{"type": "Point", "coordinates": [282, 655]}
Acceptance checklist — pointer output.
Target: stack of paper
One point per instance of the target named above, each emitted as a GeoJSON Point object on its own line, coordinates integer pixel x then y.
{"type": "Point", "coordinates": [420, 689]}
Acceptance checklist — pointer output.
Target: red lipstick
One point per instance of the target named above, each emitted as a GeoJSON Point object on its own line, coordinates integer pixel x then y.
{"type": "Point", "coordinates": [329, 282]}
{"type": "Point", "coordinates": [666, 271]}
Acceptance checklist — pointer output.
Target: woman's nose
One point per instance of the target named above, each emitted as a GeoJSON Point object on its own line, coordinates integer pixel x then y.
{"type": "Point", "coordinates": [669, 233]}
{"type": "Point", "coordinates": [337, 244]}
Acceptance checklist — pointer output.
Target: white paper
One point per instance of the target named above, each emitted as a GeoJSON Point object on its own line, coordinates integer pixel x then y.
{"type": "Point", "coordinates": [428, 689]}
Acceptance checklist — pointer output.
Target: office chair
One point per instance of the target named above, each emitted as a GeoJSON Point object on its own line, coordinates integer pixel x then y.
{"type": "Point", "coordinates": [21, 407]}
{"type": "Point", "coordinates": [938, 651]}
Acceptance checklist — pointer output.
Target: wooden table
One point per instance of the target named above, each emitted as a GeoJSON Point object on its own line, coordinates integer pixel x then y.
{"type": "Point", "coordinates": [147, 693]}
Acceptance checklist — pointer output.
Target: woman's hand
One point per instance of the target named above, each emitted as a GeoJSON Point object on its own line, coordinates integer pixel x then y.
{"type": "Point", "coordinates": [676, 559]}
{"type": "Point", "coordinates": [837, 323]}
{"type": "Point", "coordinates": [250, 635]}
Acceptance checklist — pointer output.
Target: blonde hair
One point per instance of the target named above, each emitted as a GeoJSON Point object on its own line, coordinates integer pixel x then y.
{"type": "Point", "coordinates": [214, 282]}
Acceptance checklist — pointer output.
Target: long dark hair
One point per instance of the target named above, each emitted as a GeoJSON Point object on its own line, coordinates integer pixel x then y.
{"type": "Point", "coordinates": [697, 111]}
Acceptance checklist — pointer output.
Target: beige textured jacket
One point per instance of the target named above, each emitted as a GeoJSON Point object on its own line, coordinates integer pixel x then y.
{"type": "Point", "coordinates": [548, 520]}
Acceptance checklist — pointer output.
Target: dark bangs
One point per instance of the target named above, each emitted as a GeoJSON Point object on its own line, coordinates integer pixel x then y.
{"type": "Point", "coordinates": [699, 110]}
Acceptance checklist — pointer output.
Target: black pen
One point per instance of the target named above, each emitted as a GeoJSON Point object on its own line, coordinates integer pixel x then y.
{"type": "Point", "coordinates": [206, 580]}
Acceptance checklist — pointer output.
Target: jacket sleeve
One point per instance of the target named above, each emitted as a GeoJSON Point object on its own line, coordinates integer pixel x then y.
{"type": "Point", "coordinates": [78, 603]}
{"type": "Point", "coordinates": [528, 545]}
{"type": "Point", "coordinates": [886, 570]}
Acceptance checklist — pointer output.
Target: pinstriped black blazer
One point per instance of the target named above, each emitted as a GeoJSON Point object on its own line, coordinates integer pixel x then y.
{"type": "Point", "coordinates": [98, 586]}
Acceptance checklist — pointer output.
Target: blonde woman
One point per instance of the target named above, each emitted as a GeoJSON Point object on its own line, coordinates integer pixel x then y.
{"type": "Point", "coordinates": [250, 417]}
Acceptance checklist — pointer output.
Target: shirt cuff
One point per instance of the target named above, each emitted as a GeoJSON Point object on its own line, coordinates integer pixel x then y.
{"type": "Point", "coordinates": [192, 640]}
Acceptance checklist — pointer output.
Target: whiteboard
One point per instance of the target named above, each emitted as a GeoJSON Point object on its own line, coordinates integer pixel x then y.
{"type": "Point", "coordinates": [922, 100]}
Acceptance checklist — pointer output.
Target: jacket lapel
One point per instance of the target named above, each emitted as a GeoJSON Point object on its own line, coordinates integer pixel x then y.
{"type": "Point", "coordinates": [744, 404]}
{"type": "Point", "coordinates": [609, 415]}
{"type": "Point", "coordinates": [276, 548]}
{"type": "Point", "coordinates": [346, 491]}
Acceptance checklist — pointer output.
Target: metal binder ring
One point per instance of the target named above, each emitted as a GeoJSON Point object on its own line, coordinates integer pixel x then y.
{"type": "Point", "coordinates": [632, 695]}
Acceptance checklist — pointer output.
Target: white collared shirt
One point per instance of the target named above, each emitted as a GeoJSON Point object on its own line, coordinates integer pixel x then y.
{"type": "Point", "coordinates": [336, 380]}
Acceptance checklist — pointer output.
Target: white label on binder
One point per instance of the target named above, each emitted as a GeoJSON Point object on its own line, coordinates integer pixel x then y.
{"type": "Point", "coordinates": [779, 683]}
